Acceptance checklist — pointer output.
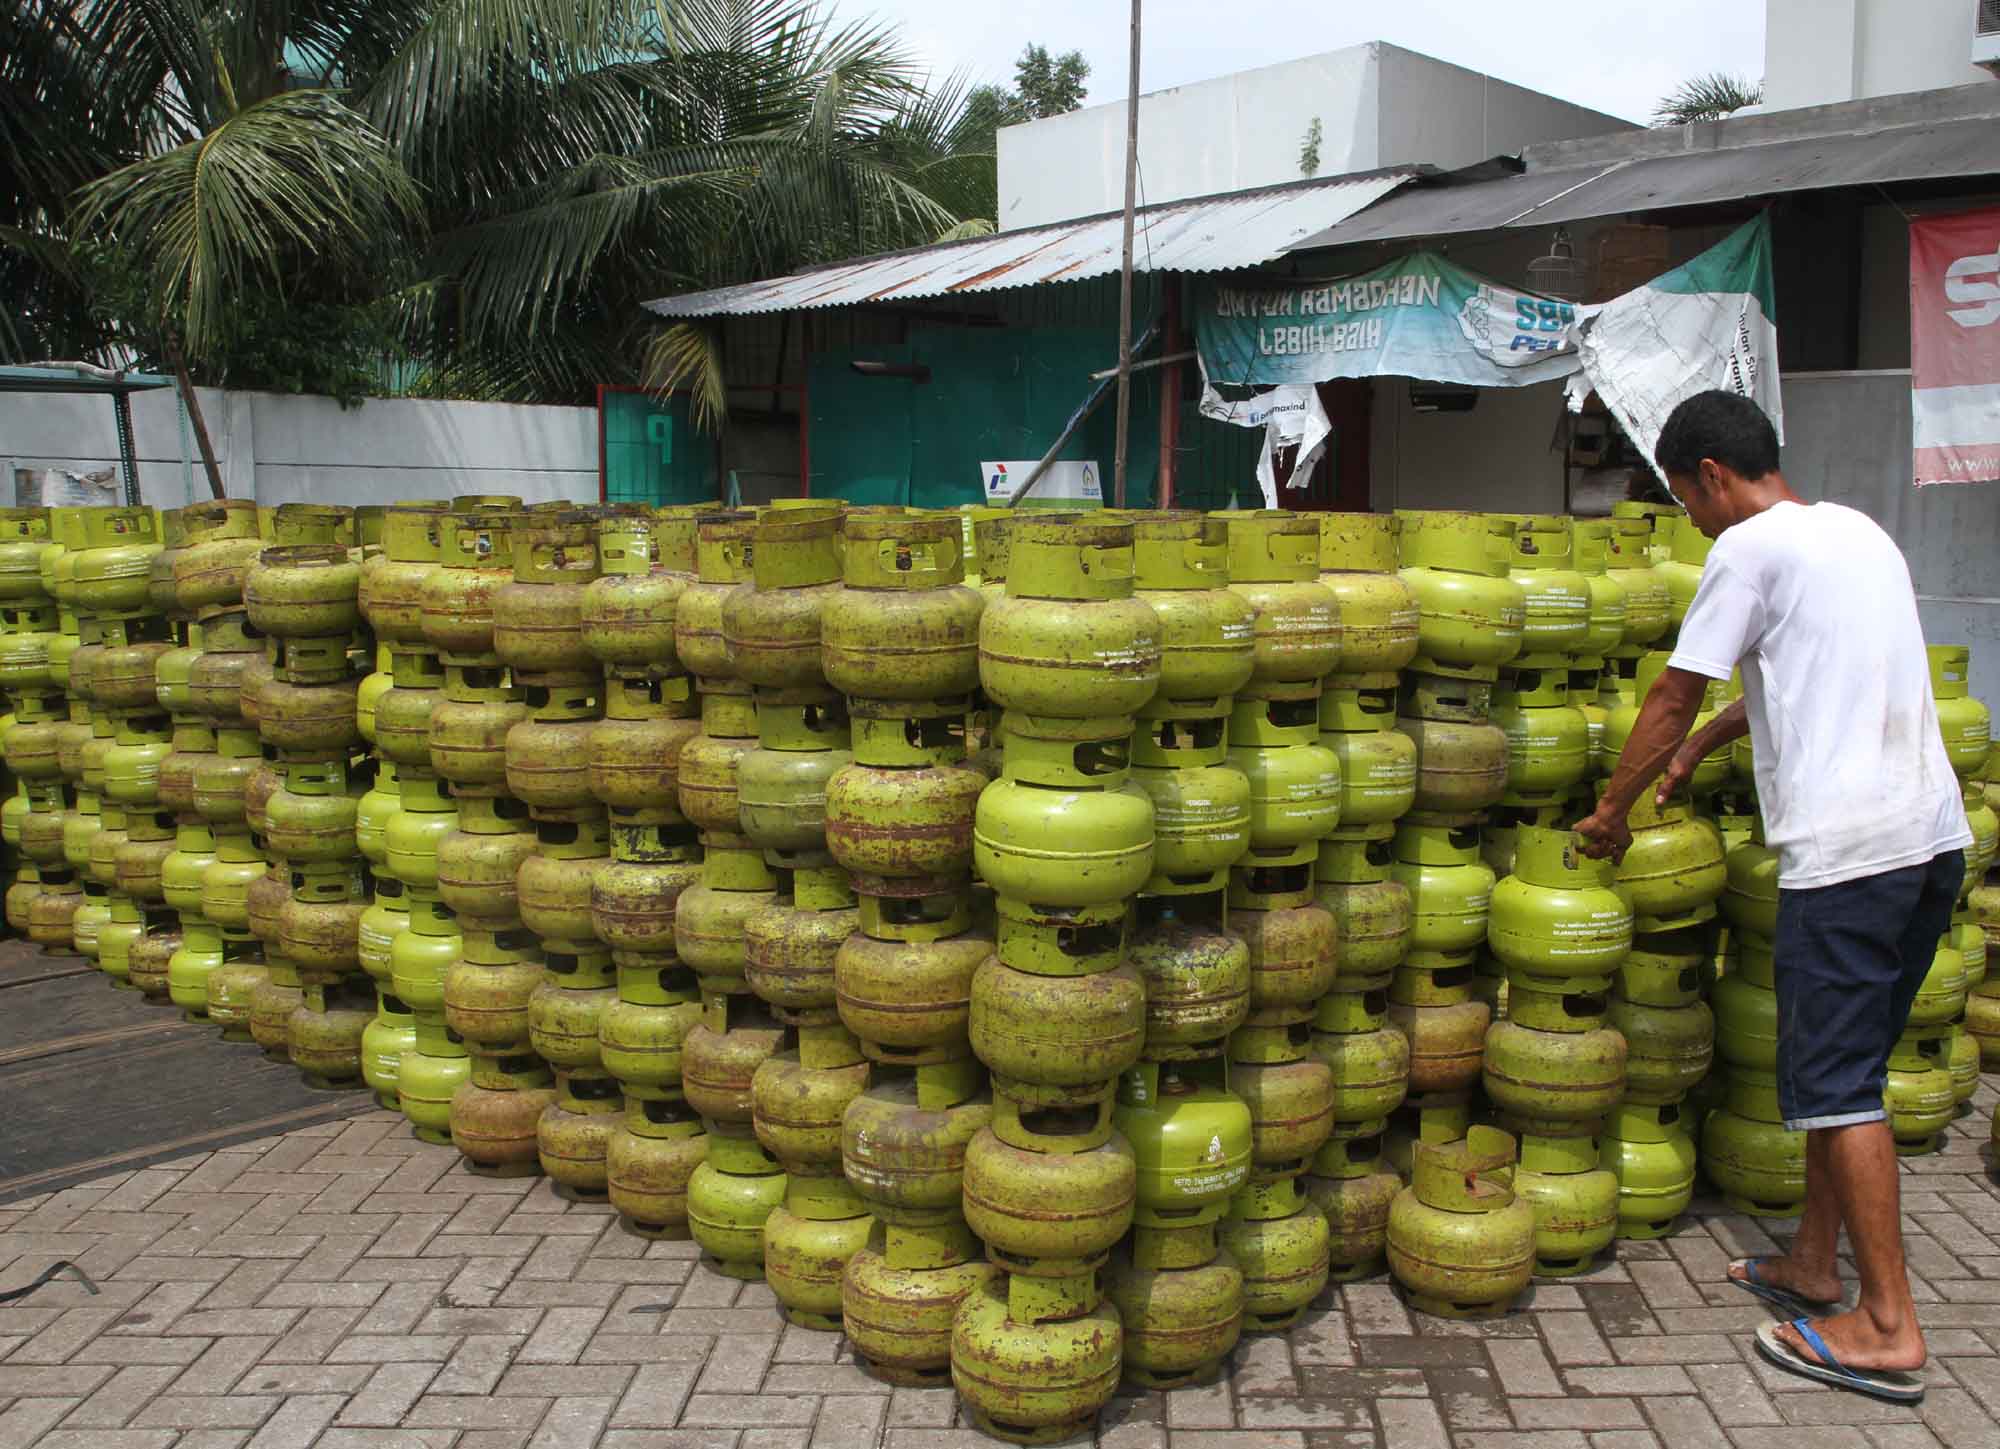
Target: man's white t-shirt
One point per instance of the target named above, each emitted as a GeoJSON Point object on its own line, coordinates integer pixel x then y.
{"type": "Point", "coordinates": [1814, 602]}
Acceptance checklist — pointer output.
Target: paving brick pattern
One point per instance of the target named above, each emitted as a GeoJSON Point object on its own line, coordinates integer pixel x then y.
{"type": "Point", "coordinates": [349, 1287]}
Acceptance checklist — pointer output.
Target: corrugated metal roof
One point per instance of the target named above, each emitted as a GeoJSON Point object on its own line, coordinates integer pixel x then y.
{"type": "Point", "coordinates": [61, 377]}
{"type": "Point", "coordinates": [1958, 148]}
{"type": "Point", "coordinates": [1211, 234]}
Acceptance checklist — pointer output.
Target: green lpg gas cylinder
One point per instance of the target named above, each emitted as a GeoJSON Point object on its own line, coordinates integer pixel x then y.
{"type": "Point", "coordinates": [1552, 1082]}
{"type": "Point", "coordinates": [391, 590]}
{"type": "Point", "coordinates": [1371, 909]}
{"type": "Point", "coordinates": [1461, 757]}
{"type": "Point", "coordinates": [771, 625]}
{"type": "Point", "coordinates": [1749, 1154]}
{"type": "Point", "coordinates": [905, 626]}
{"type": "Point", "coordinates": [1179, 1320]}
{"type": "Point", "coordinates": [1556, 595]}
{"type": "Point", "coordinates": [1070, 639]}
{"type": "Point", "coordinates": [1197, 977]}
{"type": "Point", "coordinates": [1189, 1139]}
{"type": "Point", "coordinates": [1207, 630]}
{"type": "Point", "coordinates": [1460, 1240]}
{"type": "Point", "coordinates": [1629, 565]}
{"type": "Point", "coordinates": [1280, 1240]}
{"type": "Point", "coordinates": [1032, 1364]}
{"type": "Point", "coordinates": [1012, 1196]}
{"type": "Point", "coordinates": [1548, 738]}
{"type": "Point", "coordinates": [1650, 1152]}
{"type": "Point", "coordinates": [1378, 610]}
{"type": "Point", "coordinates": [1674, 871]}
{"type": "Point", "coordinates": [900, 1296]}
{"type": "Point", "coordinates": [1558, 914]}
{"type": "Point", "coordinates": [1470, 613]}
{"type": "Point", "coordinates": [1451, 888]}
{"type": "Point", "coordinates": [1063, 826]}
{"type": "Point", "coordinates": [1274, 566]}
{"type": "Point", "coordinates": [1574, 1200]}
{"type": "Point", "coordinates": [1378, 763]}
{"type": "Point", "coordinates": [628, 612]}
{"type": "Point", "coordinates": [538, 614]}
{"type": "Point", "coordinates": [903, 1141]}
{"type": "Point", "coordinates": [1687, 553]}
{"type": "Point", "coordinates": [495, 1111]}
{"type": "Point", "coordinates": [1921, 1097]}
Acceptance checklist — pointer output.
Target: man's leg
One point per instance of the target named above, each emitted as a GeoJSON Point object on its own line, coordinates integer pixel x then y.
{"type": "Point", "coordinates": [1882, 1331]}
{"type": "Point", "coordinates": [1811, 1268]}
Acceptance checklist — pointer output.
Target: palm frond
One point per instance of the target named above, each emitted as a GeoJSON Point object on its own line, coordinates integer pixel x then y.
{"type": "Point", "coordinates": [689, 353]}
{"type": "Point", "coordinates": [1706, 98]}
{"type": "Point", "coordinates": [968, 229]}
{"type": "Point", "coordinates": [517, 270]}
{"type": "Point", "coordinates": [296, 175]}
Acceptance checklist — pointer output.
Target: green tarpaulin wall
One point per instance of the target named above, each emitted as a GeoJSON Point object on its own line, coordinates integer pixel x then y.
{"type": "Point", "coordinates": [996, 394]}
{"type": "Point", "coordinates": [652, 453]}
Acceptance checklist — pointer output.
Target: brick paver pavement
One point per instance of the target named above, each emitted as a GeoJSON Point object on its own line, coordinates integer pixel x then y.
{"type": "Point", "coordinates": [349, 1287]}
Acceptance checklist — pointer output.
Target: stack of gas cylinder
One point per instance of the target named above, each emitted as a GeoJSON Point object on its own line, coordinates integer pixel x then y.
{"type": "Point", "coordinates": [34, 652]}
{"type": "Point", "coordinates": [109, 569]}
{"type": "Point", "coordinates": [1067, 657]}
{"type": "Point", "coordinates": [801, 1086]}
{"type": "Point", "coordinates": [627, 616]}
{"type": "Point", "coordinates": [464, 963]}
{"type": "Point", "coordinates": [1045, 947]}
{"type": "Point", "coordinates": [1373, 1059]}
{"type": "Point", "coordinates": [219, 541]}
{"type": "Point", "coordinates": [302, 597]}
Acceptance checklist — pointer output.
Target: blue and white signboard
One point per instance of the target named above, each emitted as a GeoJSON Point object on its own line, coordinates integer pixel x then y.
{"type": "Point", "coordinates": [1419, 316]}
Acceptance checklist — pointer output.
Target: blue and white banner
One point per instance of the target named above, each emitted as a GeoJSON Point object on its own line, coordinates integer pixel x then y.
{"type": "Point", "coordinates": [1420, 316]}
{"type": "Point", "coordinates": [1707, 324]}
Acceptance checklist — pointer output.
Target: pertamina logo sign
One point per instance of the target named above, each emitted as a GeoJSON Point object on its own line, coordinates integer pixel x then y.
{"type": "Point", "coordinates": [1974, 283]}
{"type": "Point", "coordinates": [1955, 347]}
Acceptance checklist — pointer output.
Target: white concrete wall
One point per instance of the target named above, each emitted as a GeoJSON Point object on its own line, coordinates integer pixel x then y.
{"type": "Point", "coordinates": [1817, 52]}
{"type": "Point", "coordinates": [278, 448]}
{"type": "Point", "coordinates": [1450, 116]}
{"type": "Point", "coordinates": [1228, 134]}
{"type": "Point", "coordinates": [1847, 439]}
{"type": "Point", "coordinates": [1377, 105]}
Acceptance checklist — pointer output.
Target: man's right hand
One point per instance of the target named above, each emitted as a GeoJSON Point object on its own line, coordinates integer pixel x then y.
{"type": "Point", "coordinates": [1605, 836]}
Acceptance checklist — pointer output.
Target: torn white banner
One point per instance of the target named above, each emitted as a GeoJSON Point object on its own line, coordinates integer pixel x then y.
{"type": "Point", "coordinates": [1291, 417]}
{"type": "Point", "coordinates": [1704, 325]}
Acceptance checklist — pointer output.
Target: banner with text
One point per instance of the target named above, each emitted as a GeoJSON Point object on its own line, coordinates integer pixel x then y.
{"type": "Point", "coordinates": [1420, 316]}
{"type": "Point", "coordinates": [1955, 347]}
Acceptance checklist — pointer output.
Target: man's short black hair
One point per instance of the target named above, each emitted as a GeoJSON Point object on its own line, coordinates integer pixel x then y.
{"type": "Point", "coordinates": [1721, 425]}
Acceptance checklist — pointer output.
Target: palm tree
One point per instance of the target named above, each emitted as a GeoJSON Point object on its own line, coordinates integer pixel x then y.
{"type": "Point", "coordinates": [1706, 98]}
{"type": "Point", "coordinates": [488, 188]}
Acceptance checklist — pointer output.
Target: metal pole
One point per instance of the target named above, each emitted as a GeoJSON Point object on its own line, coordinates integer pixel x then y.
{"type": "Point", "coordinates": [121, 407]}
{"type": "Point", "coordinates": [193, 403]}
{"type": "Point", "coordinates": [1170, 393]}
{"type": "Point", "coordinates": [1125, 269]}
{"type": "Point", "coordinates": [1100, 389]}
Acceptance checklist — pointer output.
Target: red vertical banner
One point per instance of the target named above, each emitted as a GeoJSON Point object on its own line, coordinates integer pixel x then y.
{"type": "Point", "coordinates": [1955, 347]}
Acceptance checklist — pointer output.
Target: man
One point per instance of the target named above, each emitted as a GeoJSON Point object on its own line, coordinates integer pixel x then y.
{"type": "Point", "coordinates": [1813, 602]}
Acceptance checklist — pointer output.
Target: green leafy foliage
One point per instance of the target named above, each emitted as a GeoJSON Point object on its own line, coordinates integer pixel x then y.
{"type": "Point", "coordinates": [455, 197]}
{"type": "Point", "coordinates": [1051, 86]}
{"type": "Point", "coordinates": [1706, 98]}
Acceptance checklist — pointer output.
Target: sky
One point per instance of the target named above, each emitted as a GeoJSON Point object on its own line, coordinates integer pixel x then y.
{"type": "Point", "coordinates": [1617, 56]}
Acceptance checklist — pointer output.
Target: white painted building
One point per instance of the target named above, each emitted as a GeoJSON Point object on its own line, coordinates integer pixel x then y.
{"type": "Point", "coordinates": [1817, 52]}
{"type": "Point", "coordinates": [1374, 105]}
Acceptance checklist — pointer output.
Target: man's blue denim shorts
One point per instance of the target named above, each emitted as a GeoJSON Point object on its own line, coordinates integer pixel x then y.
{"type": "Point", "coordinates": [1849, 960]}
